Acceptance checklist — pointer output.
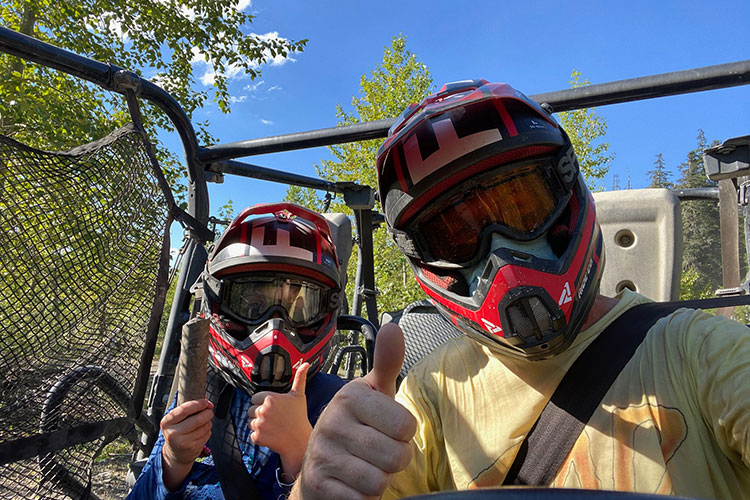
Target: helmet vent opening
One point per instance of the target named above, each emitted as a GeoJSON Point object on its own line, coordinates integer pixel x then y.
{"type": "Point", "coordinates": [272, 367]}
{"type": "Point", "coordinates": [530, 318]}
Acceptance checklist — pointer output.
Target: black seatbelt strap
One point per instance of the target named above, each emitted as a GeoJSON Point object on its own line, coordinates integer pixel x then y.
{"type": "Point", "coordinates": [234, 478]}
{"type": "Point", "coordinates": [583, 387]}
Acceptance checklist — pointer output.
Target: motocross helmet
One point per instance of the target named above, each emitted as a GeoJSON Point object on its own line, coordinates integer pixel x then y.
{"type": "Point", "coordinates": [470, 179]}
{"type": "Point", "coordinates": [272, 292]}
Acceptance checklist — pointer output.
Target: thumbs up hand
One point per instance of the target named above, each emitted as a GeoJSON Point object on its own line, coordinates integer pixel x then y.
{"type": "Point", "coordinates": [279, 421]}
{"type": "Point", "coordinates": [363, 435]}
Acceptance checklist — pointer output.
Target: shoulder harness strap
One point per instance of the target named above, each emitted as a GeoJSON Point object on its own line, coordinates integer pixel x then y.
{"type": "Point", "coordinates": [234, 478]}
{"type": "Point", "coordinates": [583, 387]}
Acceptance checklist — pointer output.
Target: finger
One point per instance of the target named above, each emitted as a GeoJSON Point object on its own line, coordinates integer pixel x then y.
{"type": "Point", "coordinates": [354, 472]}
{"type": "Point", "coordinates": [357, 405]}
{"type": "Point", "coordinates": [300, 379]}
{"type": "Point", "coordinates": [186, 410]}
{"type": "Point", "coordinates": [193, 440]}
{"type": "Point", "coordinates": [258, 398]}
{"type": "Point", "coordinates": [389, 357]}
{"type": "Point", "coordinates": [387, 454]}
{"type": "Point", "coordinates": [251, 412]}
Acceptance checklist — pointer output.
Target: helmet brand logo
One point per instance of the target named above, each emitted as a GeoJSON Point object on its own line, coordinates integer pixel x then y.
{"type": "Point", "coordinates": [566, 295]}
{"type": "Point", "coordinates": [568, 166]}
{"type": "Point", "coordinates": [245, 362]}
{"type": "Point", "coordinates": [585, 278]}
{"type": "Point", "coordinates": [493, 328]}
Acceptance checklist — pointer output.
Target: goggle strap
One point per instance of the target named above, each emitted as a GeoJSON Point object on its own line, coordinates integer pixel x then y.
{"type": "Point", "coordinates": [405, 243]}
{"type": "Point", "coordinates": [212, 285]}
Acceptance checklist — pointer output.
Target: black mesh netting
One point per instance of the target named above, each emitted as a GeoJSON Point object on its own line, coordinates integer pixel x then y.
{"type": "Point", "coordinates": [81, 238]}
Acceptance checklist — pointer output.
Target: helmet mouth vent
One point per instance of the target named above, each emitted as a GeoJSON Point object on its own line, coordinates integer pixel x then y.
{"type": "Point", "coordinates": [529, 318]}
{"type": "Point", "coordinates": [272, 368]}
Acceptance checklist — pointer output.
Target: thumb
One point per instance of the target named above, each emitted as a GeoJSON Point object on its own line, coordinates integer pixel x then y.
{"type": "Point", "coordinates": [389, 357]}
{"type": "Point", "coordinates": [300, 379]}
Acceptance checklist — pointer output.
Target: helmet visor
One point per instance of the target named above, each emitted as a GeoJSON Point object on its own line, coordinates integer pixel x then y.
{"type": "Point", "coordinates": [254, 299]}
{"type": "Point", "coordinates": [519, 203]}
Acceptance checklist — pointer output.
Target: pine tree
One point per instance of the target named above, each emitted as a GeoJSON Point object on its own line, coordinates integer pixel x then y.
{"type": "Point", "coordinates": [660, 175]}
{"type": "Point", "coordinates": [700, 224]}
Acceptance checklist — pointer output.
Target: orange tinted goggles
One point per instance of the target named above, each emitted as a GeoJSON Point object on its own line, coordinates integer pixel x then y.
{"type": "Point", "coordinates": [519, 203]}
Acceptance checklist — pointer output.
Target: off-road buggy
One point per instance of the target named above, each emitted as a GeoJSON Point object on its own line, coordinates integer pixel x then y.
{"type": "Point", "coordinates": [84, 257]}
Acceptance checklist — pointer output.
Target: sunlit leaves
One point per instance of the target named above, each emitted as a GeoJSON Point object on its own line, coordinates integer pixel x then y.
{"type": "Point", "coordinates": [585, 129]}
{"type": "Point", "coordinates": [397, 81]}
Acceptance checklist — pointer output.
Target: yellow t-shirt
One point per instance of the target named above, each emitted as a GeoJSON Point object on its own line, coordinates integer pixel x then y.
{"type": "Point", "coordinates": [675, 421]}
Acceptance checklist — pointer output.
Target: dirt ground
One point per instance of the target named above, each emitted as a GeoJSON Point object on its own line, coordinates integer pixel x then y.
{"type": "Point", "coordinates": [108, 478]}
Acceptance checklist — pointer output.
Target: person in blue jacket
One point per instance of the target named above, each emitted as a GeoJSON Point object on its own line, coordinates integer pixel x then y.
{"type": "Point", "coordinates": [272, 291]}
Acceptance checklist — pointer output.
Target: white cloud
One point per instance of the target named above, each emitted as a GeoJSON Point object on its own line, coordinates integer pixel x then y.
{"type": "Point", "coordinates": [234, 71]}
{"type": "Point", "coordinates": [277, 60]}
{"type": "Point", "coordinates": [252, 87]}
{"type": "Point", "coordinates": [243, 4]}
{"type": "Point", "coordinates": [266, 122]}
{"type": "Point", "coordinates": [274, 88]}
{"type": "Point", "coordinates": [235, 100]}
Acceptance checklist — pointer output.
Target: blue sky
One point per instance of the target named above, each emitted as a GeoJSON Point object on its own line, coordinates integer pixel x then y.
{"type": "Point", "coordinates": [533, 45]}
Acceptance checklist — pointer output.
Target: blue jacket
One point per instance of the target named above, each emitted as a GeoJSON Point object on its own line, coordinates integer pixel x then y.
{"type": "Point", "coordinates": [203, 480]}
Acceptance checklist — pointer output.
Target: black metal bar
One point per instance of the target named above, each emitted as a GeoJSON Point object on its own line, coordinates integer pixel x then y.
{"type": "Point", "coordinates": [648, 87]}
{"type": "Point", "coordinates": [26, 47]}
{"type": "Point", "coordinates": [364, 230]}
{"type": "Point", "coordinates": [38, 444]}
{"type": "Point", "coordinates": [269, 174]}
{"type": "Point", "coordinates": [633, 89]}
{"type": "Point", "coordinates": [300, 140]}
{"type": "Point", "coordinates": [695, 194]}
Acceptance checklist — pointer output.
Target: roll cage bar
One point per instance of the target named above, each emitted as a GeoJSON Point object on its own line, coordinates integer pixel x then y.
{"type": "Point", "coordinates": [207, 163]}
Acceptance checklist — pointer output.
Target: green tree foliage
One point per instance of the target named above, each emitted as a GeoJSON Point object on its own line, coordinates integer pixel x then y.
{"type": "Point", "coordinates": [585, 129]}
{"type": "Point", "coordinates": [398, 80]}
{"type": "Point", "coordinates": [47, 109]}
{"type": "Point", "coordinates": [660, 175]}
{"type": "Point", "coordinates": [700, 225]}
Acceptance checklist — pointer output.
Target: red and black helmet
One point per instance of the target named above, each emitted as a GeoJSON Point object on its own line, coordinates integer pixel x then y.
{"type": "Point", "coordinates": [472, 178]}
{"type": "Point", "coordinates": [273, 293]}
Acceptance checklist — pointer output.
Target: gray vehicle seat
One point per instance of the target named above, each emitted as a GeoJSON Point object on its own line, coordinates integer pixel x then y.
{"type": "Point", "coordinates": [424, 330]}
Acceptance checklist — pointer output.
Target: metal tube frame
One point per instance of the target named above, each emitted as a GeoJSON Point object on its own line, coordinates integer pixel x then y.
{"type": "Point", "coordinates": [216, 160]}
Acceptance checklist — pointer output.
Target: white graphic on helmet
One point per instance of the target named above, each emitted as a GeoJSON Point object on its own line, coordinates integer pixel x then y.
{"type": "Point", "coordinates": [493, 328]}
{"type": "Point", "coordinates": [281, 248]}
{"type": "Point", "coordinates": [450, 148]}
{"type": "Point", "coordinates": [245, 362]}
{"type": "Point", "coordinates": [566, 295]}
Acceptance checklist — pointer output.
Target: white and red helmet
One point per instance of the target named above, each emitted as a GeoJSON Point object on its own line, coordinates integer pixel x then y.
{"type": "Point", "coordinates": [471, 180]}
{"type": "Point", "coordinates": [273, 294]}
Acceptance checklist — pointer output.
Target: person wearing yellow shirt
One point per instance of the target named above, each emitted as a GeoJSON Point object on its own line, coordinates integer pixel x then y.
{"type": "Point", "coordinates": [482, 191]}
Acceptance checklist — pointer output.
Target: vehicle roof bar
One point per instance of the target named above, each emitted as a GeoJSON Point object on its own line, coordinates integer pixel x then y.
{"type": "Point", "coordinates": [633, 89]}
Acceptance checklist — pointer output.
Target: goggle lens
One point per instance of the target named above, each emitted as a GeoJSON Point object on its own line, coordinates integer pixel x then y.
{"type": "Point", "coordinates": [251, 298]}
{"type": "Point", "coordinates": [520, 200]}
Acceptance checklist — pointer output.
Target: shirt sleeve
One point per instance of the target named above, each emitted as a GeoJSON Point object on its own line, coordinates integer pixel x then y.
{"type": "Point", "coordinates": [718, 351]}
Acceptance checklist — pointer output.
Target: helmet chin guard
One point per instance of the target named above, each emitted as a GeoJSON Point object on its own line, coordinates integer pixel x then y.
{"type": "Point", "coordinates": [478, 159]}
